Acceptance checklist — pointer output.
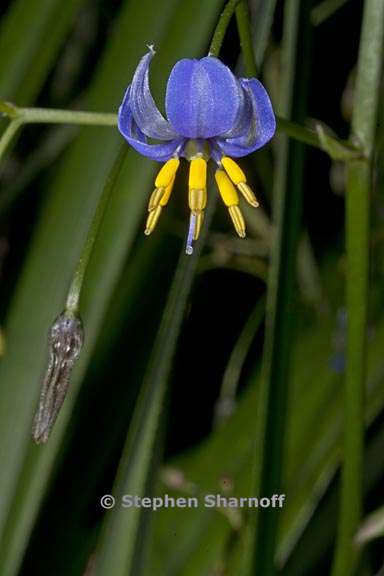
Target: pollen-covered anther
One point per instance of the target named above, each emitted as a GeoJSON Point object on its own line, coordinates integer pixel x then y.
{"type": "Point", "coordinates": [239, 179]}
{"type": "Point", "coordinates": [198, 174]}
{"type": "Point", "coordinates": [197, 204]}
{"type": "Point", "coordinates": [197, 195]}
{"type": "Point", "coordinates": [167, 173]}
{"type": "Point", "coordinates": [164, 179]}
{"type": "Point", "coordinates": [198, 224]}
{"type": "Point", "coordinates": [159, 198]}
{"type": "Point", "coordinates": [155, 198]}
{"type": "Point", "coordinates": [231, 199]}
{"type": "Point", "coordinates": [152, 219]}
{"type": "Point", "coordinates": [238, 220]}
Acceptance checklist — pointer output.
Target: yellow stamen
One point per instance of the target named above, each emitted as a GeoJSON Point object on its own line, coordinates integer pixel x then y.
{"type": "Point", "coordinates": [239, 179]}
{"type": "Point", "coordinates": [155, 198]}
{"type": "Point", "coordinates": [226, 188]}
{"type": "Point", "coordinates": [197, 198]}
{"type": "Point", "coordinates": [198, 174]}
{"type": "Point", "coordinates": [167, 193]}
{"type": "Point", "coordinates": [152, 219]}
{"type": "Point", "coordinates": [159, 199]}
{"type": "Point", "coordinates": [198, 225]}
{"type": "Point", "coordinates": [233, 170]}
{"type": "Point", "coordinates": [238, 220]}
{"type": "Point", "coordinates": [167, 172]}
{"type": "Point", "coordinates": [231, 200]}
{"type": "Point", "coordinates": [248, 194]}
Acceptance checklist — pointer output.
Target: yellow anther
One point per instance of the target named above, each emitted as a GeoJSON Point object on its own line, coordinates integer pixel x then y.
{"type": "Point", "coordinates": [197, 199]}
{"type": "Point", "coordinates": [198, 174]}
{"type": "Point", "coordinates": [238, 220]}
{"type": "Point", "coordinates": [238, 177]}
{"type": "Point", "coordinates": [159, 198]}
{"type": "Point", "coordinates": [167, 193]}
{"type": "Point", "coordinates": [155, 198]}
{"type": "Point", "coordinates": [226, 188]}
{"type": "Point", "coordinates": [167, 172]}
{"type": "Point", "coordinates": [198, 225]}
{"type": "Point", "coordinates": [233, 170]}
{"type": "Point", "coordinates": [152, 219]}
{"type": "Point", "coordinates": [248, 194]}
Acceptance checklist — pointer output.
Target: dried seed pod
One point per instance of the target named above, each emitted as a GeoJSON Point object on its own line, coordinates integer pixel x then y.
{"type": "Point", "coordinates": [65, 343]}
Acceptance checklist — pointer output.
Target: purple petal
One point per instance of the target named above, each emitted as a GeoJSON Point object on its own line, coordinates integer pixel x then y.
{"type": "Point", "coordinates": [203, 98]}
{"type": "Point", "coordinates": [145, 112]}
{"type": "Point", "coordinates": [255, 126]}
{"type": "Point", "coordinates": [137, 139]}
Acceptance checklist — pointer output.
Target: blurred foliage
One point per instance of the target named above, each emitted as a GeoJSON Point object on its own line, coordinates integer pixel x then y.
{"type": "Point", "coordinates": [167, 394]}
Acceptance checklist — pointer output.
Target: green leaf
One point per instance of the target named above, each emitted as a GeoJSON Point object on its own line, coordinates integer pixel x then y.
{"type": "Point", "coordinates": [270, 428]}
{"type": "Point", "coordinates": [31, 34]}
{"type": "Point", "coordinates": [372, 527]}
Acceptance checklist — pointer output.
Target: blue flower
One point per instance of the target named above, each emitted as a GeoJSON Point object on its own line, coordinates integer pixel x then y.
{"type": "Point", "coordinates": [210, 114]}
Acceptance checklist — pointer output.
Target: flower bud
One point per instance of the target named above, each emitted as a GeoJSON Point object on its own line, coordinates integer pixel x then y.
{"type": "Point", "coordinates": [65, 343]}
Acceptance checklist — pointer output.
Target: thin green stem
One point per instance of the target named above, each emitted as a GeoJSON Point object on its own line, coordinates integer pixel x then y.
{"type": "Point", "coordinates": [221, 27]}
{"type": "Point", "coordinates": [243, 18]}
{"type": "Point", "coordinates": [74, 293]}
{"type": "Point", "coordinates": [8, 135]}
{"type": "Point", "coordinates": [272, 409]}
{"type": "Point", "coordinates": [231, 378]}
{"type": "Point", "coordinates": [47, 116]}
{"type": "Point", "coordinates": [359, 183]}
{"type": "Point", "coordinates": [21, 116]}
{"type": "Point", "coordinates": [321, 12]}
{"type": "Point", "coordinates": [335, 147]}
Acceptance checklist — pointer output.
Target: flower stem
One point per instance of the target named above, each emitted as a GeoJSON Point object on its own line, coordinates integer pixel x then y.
{"type": "Point", "coordinates": [48, 116]}
{"type": "Point", "coordinates": [244, 27]}
{"type": "Point", "coordinates": [74, 293]}
{"type": "Point", "coordinates": [8, 135]}
{"type": "Point", "coordinates": [359, 183]}
{"type": "Point", "coordinates": [20, 116]}
{"type": "Point", "coordinates": [56, 116]}
{"type": "Point", "coordinates": [221, 27]}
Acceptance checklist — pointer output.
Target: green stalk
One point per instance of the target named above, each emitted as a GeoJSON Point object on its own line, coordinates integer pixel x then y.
{"type": "Point", "coordinates": [8, 135]}
{"type": "Point", "coordinates": [74, 293]}
{"type": "Point", "coordinates": [228, 391]}
{"type": "Point", "coordinates": [221, 27]}
{"type": "Point", "coordinates": [359, 183]}
{"type": "Point", "coordinates": [243, 18]}
{"type": "Point", "coordinates": [273, 396]}
{"type": "Point", "coordinates": [21, 116]}
{"type": "Point", "coordinates": [54, 116]}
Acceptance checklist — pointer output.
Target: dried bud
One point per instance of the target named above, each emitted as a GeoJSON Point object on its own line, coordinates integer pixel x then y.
{"type": "Point", "coordinates": [65, 343]}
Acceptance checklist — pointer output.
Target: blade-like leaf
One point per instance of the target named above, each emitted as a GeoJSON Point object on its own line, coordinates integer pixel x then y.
{"type": "Point", "coordinates": [31, 34]}
{"type": "Point", "coordinates": [372, 527]}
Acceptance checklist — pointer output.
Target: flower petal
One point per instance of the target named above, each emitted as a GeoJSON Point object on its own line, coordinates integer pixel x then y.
{"type": "Point", "coordinates": [137, 139]}
{"type": "Point", "coordinates": [255, 126]}
{"type": "Point", "coordinates": [145, 112]}
{"type": "Point", "coordinates": [203, 98]}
